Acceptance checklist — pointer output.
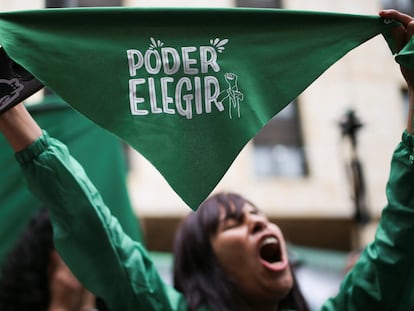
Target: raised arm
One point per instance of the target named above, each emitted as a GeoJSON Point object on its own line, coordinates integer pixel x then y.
{"type": "Point", "coordinates": [402, 35]}
{"type": "Point", "coordinates": [89, 239]}
{"type": "Point", "coordinates": [383, 277]}
{"type": "Point", "coordinates": [19, 128]}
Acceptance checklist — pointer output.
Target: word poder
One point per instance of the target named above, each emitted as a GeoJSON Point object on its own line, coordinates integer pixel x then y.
{"type": "Point", "coordinates": [170, 81]}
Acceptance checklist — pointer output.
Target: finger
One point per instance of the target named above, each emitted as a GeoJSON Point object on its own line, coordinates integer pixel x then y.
{"type": "Point", "coordinates": [410, 29]}
{"type": "Point", "coordinates": [400, 36]}
{"type": "Point", "coordinates": [396, 15]}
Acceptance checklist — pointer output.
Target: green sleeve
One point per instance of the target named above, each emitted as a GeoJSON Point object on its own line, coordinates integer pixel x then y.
{"type": "Point", "coordinates": [90, 240]}
{"type": "Point", "coordinates": [383, 278]}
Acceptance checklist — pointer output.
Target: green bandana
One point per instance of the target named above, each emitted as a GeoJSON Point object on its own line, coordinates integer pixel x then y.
{"type": "Point", "coordinates": [187, 88]}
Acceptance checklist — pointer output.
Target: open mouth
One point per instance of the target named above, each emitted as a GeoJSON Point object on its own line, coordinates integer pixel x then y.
{"type": "Point", "coordinates": [270, 250]}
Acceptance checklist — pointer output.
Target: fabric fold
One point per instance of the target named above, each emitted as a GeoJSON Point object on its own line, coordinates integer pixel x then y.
{"type": "Point", "coordinates": [187, 88]}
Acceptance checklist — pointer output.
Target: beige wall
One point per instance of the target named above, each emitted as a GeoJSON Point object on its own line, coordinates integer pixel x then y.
{"type": "Point", "coordinates": [366, 80]}
{"type": "Point", "coordinates": [14, 5]}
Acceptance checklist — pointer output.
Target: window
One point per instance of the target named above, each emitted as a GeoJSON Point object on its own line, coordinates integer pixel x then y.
{"type": "Point", "coordinates": [278, 147]}
{"type": "Point", "coordinates": [81, 3]}
{"type": "Point", "coordinates": [406, 6]}
{"type": "Point", "coordinates": [259, 3]}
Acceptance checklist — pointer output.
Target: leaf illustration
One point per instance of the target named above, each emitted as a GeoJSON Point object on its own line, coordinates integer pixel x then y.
{"type": "Point", "coordinates": [222, 42]}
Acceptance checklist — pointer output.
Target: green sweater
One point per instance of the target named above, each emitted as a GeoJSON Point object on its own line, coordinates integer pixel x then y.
{"type": "Point", "coordinates": [117, 268]}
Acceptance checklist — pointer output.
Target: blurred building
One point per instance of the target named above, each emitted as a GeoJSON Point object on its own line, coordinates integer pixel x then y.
{"type": "Point", "coordinates": [296, 169]}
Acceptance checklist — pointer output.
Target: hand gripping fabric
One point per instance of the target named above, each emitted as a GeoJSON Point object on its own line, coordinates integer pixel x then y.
{"type": "Point", "coordinates": [16, 83]}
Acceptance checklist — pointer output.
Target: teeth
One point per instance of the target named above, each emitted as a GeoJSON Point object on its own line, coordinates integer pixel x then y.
{"type": "Point", "coordinates": [269, 240]}
{"type": "Point", "coordinates": [270, 250]}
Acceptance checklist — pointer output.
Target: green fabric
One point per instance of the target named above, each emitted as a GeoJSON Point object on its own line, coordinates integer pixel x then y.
{"type": "Point", "coordinates": [187, 88]}
{"type": "Point", "coordinates": [89, 239]}
{"type": "Point", "coordinates": [406, 56]}
{"type": "Point", "coordinates": [382, 279]}
{"type": "Point", "coordinates": [105, 164]}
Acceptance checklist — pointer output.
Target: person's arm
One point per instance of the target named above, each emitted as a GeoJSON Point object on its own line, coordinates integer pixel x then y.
{"type": "Point", "coordinates": [19, 128]}
{"type": "Point", "coordinates": [66, 292]}
{"type": "Point", "coordinates": [90, 240]}
{"type": "Point", "coordinates": [402, 35]}
{"type": "Point", "coordinates": [383, 277]}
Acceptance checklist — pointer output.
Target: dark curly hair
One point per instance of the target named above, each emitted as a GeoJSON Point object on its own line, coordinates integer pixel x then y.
{"type": "Point", "coordinates": [197, 273]}
{"type": "Point", "coordinates": [24, 283]}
